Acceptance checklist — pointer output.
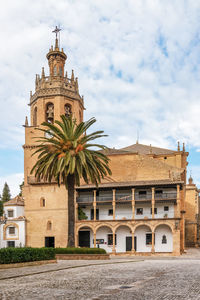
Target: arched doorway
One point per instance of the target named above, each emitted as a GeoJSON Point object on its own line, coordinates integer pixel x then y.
{"type": "Point", "coordinates": [143, 238]}
{"type": "Point", "coordinates": [123, 239]}
{"type": "Point", "coordinates": [85, 237]}
{"type": "Point", "coordinates": [163, 238]}
{"type": "Point", "coordinates": [104, 238]}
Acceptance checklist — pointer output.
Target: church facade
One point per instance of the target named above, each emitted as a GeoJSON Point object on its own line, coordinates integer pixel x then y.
{"type": "Point", "coordinates": [141, 208]}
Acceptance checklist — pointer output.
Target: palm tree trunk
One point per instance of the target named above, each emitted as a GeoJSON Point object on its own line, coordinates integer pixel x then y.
{"type": "Point", "coordinates": [71, 211]}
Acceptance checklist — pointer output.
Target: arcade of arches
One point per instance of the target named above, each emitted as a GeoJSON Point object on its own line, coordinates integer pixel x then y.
{"type": "Point", "coordinates": [116, 237]}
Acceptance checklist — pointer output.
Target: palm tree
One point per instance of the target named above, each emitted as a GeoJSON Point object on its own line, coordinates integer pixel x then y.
{"type": "Point", "coordinates": [64, 154]}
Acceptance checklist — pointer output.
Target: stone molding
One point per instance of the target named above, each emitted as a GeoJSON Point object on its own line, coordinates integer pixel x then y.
{"type": "Point", "coordinates": [16, 237]}
{"type": "Point", "coordinates": [57, 91]}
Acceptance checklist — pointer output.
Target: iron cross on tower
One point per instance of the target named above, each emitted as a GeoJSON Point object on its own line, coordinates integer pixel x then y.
{"type": "Point", "coordinates": [57, 31]}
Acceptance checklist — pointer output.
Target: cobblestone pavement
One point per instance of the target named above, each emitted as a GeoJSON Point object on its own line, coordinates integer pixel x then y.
{"type": "Point", "coordinates": [138, 279]}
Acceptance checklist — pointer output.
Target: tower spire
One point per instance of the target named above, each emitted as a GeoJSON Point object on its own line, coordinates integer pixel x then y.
{"type": "Point", "coordinates": [56, 58]}
{"type": "Point", "coordinates": [57, 31]}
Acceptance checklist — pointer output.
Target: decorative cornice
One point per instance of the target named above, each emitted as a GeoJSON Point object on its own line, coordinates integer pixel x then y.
{"type": "Point", "coordinates": [56, 91]}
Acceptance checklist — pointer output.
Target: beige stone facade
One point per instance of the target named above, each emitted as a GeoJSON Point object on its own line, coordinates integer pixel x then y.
{"type": "Point", "coordinates": [146, 200]}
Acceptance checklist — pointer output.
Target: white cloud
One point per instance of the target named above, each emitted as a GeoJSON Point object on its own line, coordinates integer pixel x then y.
{"type": "Point", "coordinates": [137, 61]}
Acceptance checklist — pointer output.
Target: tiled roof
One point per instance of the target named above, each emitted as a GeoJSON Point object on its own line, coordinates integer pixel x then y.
{"type": "Point", "coordinates": [15, 201]}
{"type": "Point", "coordinates": [140, 149]}
{"type": "Point", "coordinates": [112, 151]}
{"type": "Point", "coordinates": [147, 149]}
{"type": "Point", "coordinates": [131, 184]}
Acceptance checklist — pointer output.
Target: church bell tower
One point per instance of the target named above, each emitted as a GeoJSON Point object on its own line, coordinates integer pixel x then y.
{"type": "Point", "coordinates": [45, 203]}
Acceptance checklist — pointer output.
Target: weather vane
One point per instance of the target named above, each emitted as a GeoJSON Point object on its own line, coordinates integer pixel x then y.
{"type": "Point", "coordinates": [56, 31]}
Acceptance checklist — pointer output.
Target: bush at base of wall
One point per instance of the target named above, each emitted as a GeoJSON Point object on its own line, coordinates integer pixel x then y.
{"type": "Point", "coordinates": [80, 251]}
{"type": "Point", "coordinates": [17, 255]}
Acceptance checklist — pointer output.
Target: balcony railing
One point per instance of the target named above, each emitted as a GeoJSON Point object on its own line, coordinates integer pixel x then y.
{"type": "Point", "coordinates": [123, 197]}
{"type": "Point", "coordinates": [166, 196]}
{"type": "Point", "coordinates": [104, 198]}
{"type": "Point", "coordinates": [128, 197]}
{"type": "Point", "coordinates": [143, 197]}
{"type": "Point", "coordinates": [88, 199]}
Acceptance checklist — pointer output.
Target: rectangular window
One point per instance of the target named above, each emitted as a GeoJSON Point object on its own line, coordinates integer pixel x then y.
{"type": "Point", "coordinates": [110, 239]}
{"type": "Point", "coordinates": [92, 214]}
{"type": "Point", "coordinates": [155, 210]}
{"type": "Point", "coordinates": [166, 208]}
{"type": "Point", "coordinates": [148, 238]}
{"type": "Point", "coordinates": [10, 213]}
{"type": "Point", "coordinates": [110, 212]}
{"type": "Point", "coordinates": [139, 211]}
{"type": "Point", "coordinates": [11, 244]}
{"type": "Point", "coordinates": [11, 230]}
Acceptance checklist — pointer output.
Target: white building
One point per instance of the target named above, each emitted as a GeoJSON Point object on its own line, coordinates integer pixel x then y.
{"type": "Point", "coordinates": [12, 234]}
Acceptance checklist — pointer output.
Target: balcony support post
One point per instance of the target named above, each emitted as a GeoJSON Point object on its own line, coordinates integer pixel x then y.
{"type": "Point", "coordinates": [113, 248]}
{"type": "Point", "coordinates": [133, 204]}
{"type": "Point", "coordinates": [114, 204]}
{"type": "Point", "coordinates": [95, 243]}
{"type": "Point", "coordinates": [153, 202]}
{"type": "Point", "coordinates": [178, 201]}
{"type": "Point", "coordinates": [95, 205]}
{"type": "Point", "coordinates": [153, 243]}
{"type": "Point", "coordinates": [133, 243]}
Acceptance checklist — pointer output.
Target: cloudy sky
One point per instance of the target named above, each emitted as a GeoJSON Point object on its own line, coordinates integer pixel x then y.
{"type": "Point", "coordinates": [138, 64]}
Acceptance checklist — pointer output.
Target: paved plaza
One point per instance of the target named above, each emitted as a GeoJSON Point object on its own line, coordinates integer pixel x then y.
{"type": "Point", "coordinates": [125, 278]}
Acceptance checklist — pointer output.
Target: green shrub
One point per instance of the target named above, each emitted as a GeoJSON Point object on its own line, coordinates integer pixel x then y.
{"type": "Point", "coordinates": [16, 255]}
{"type": "Point", "coordinates": [80, 251]}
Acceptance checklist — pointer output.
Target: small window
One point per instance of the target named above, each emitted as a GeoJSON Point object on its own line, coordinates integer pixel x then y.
{"type": "Point", "coordinates": [148, 238]}
{"type": "Point", "coordinates": [11, 244]}
{"type": "Point", "coordinates": [110, 212]}
{"type": "Point", "coordinates": [139, 211]}
{"type": "Point", "coordinates": [60, 71]}
{"type": "Point", "coordinates": [42, 202]}
{"type": "Point", "coordinates": [49, 225]}
{"type": "Point", "coordinates": [50, 113]}
{"type": "Point", "coordinates": [10, 213]}
{"type": "Point", "coordinates": [68, 110]}
{"type": "Point", "coordinates": [166, 208]}
{"type": "Point", "coordinates": [11, 230]}
{"type": "Point", "coordinates": [164, 239]}
{"type": "Point", "coordinates": [155, 210]}
{"type": "Point", "coordinates": [110, 239]}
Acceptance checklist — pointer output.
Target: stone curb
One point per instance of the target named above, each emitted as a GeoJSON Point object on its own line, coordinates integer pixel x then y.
{"type": "Point", "coordinates": [27, 264]}
{"type": "Point", "coordinates": [82, 256]}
